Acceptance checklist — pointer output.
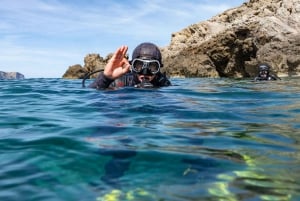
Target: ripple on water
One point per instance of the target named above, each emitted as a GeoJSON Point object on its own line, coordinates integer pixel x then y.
{"type": "Point", "coordinates": [200, 139]}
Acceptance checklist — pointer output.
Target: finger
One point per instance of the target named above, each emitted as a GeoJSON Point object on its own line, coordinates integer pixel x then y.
{"type": "Point", "coordinates": [121, 53]}
{"type": "Point", "coordinates": [124, 50]}
{"type": "Point", "coordinates": [118, 53]}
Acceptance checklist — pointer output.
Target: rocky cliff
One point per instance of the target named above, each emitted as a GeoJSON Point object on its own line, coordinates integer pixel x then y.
{"type": "Point", "coordinates": [230, 44]}
{"type": "Point", "coordinates": [11, 75]}
{"type": "Point", "coordinates": [233, 43]}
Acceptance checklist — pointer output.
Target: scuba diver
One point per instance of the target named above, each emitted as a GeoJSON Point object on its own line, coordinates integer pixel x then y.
{"type": "Point", "coordinates": [264, 73]}
{"type": "Point", "coordinates": [143, 71]}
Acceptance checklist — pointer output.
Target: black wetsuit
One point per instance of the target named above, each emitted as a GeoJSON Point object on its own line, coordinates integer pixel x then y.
{"type": "Point", "coordinates": [268, 78]}
{"type": "Point", "coordinates": [129, 79]}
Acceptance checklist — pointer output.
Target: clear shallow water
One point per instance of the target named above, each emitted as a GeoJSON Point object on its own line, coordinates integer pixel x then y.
{"type": "Point", "coordinates": [202, 139]}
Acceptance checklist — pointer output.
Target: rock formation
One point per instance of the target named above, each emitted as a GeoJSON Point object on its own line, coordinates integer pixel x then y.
{"type": "Point", "coordinates": [92, 62]}
{"type": "Point", "coordinates": [230, 44]}
{"type": "Point", "coordinates": [233, 43]}
{"type": "Point", "coordinates": [11, 75]}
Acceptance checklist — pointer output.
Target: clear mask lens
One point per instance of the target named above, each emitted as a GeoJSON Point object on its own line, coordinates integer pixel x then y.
{"type": "Point", "coordinates": [264, 72]}
{"type": "Point", "coordinates": [138, 65]}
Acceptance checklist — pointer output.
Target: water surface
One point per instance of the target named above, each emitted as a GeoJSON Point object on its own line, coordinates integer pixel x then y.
{"type": "Point", "coordinates": [201, 139]}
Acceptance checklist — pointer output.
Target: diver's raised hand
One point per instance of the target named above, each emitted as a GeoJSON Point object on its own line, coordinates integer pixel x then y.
{"type": "Point", "coordinates": [118, 65]}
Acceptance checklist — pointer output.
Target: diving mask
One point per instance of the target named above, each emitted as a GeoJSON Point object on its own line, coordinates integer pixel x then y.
{"type": "Point", "coordinates": [141, 66]}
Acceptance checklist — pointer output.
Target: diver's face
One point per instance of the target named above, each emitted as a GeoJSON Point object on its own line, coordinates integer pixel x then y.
{"type": "Point", "coordinates": [146, 69]}
{"type": "Point", "coordinates": [263, 73]}
{"type": "Point", "coordinates": [145, 77]}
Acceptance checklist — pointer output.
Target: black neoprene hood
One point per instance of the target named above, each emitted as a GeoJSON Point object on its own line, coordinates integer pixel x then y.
{"type": "Point", "coordinates": [147, 51]}
{"type": "Point", "coordinates": [265, 67]}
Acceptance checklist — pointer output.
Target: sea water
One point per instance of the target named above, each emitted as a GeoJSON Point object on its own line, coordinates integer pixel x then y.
{"type": "Point", "coordinates": [200, 139]}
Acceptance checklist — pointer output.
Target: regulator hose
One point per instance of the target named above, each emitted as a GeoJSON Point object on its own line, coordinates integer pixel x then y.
{"type": "Point", "coordinates": [87, 75]}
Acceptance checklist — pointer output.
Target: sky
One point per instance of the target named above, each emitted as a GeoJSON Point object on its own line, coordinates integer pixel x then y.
{"type": "Point", "coordinates": [42, 38]}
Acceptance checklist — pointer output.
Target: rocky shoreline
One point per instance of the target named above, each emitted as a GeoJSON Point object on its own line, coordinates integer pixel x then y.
{"type": "Point", "coordinates": [230, 44]}
{"type": "Point", "coordinates": [11, 76]}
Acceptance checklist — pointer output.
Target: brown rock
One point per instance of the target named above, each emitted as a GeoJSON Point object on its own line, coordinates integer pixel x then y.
{"type": "Point", "coordinates": [74, 72]}
{"type": "Point", "coordinates": [92, 62]}
{"type": "Point", "coordinates": [234, 42]}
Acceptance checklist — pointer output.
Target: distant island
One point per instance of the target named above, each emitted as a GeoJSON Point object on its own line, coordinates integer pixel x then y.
{"type": "Point", "coordinates": [11, 76]}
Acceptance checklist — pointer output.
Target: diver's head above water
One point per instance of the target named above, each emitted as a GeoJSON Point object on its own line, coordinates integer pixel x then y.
{"type": "Point", "coordinates": [264, 73]}
{"type": "Point", "coordinates": [146, 62]}
{"type": "Point", "coordinates": [264, 70]}
{"type": "Point", "coordinates": [142, 71]}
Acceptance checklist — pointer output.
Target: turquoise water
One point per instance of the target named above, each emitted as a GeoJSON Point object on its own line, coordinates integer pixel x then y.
{"type": "Point", "coordinates": [201, 139]}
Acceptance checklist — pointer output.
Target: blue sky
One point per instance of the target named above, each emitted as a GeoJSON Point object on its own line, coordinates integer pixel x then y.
{"type": "Point", "coordinates": [42, 38]}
